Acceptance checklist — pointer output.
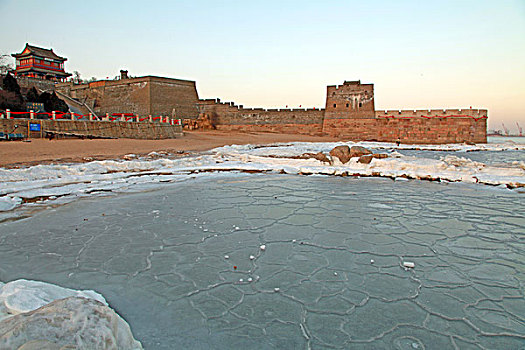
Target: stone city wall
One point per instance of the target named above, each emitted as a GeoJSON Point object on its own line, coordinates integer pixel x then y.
{"type": "Point", "coordinates": [144, 96]}
{"type": "Point", "coordinates": [174, 98]}
{"type": "Point", "coordinates": [420, 126]}
{"type": "Point", "coordinates": [40, 84]}
{"type": "Point", "coordinates": [77, 128]}
{"type": "Point", "coordinates": [228, 116]}
{"type": "Point", "coordinates": [349, 112]}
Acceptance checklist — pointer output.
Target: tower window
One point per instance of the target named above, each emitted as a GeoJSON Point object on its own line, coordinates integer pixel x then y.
{"type": "Point", "coordinates": [360, 104]}
{"type": "Point", "coordinates": [347, 105]}
{"type": "Point", "coordinates": [335, 105]}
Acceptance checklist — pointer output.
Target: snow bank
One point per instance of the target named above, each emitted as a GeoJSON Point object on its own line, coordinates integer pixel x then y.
{"type": "Point", "coordinates": [23, 296]}
{"type": "Point", "coordinates": [36, 315]}
{"type": "Point", "coordinates": [65, 182]}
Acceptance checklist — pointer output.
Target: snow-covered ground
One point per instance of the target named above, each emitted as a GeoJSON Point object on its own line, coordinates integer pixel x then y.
{"type": "Point", "coordinates": [59, 183]}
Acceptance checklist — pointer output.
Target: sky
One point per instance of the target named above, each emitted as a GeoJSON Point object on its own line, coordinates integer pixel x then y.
{"type": "Point", "coordinates": [277, 53]}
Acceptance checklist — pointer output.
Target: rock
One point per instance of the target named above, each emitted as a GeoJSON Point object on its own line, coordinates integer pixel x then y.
{"type": "Point", "coordinates": [341, 152]}
{"type": "Point", "coordinates": [319, 156]}
{"type": "Point", "coordinates": [358, 151]}
{"type": "Point", "coordinates": [203, 122]}
{"type": "Point", "coordinates": [130, 156]}
{"type": "Point", "coordinates": [380, 155]}
{"type": "Point", "coordinates": [366, 159]}
{"type": "Point", "coordinates": [322, 158]}
{"type": "Point", "coordinates": [344, 153]}
{"type": "Point", "coordinates": [72, 322]}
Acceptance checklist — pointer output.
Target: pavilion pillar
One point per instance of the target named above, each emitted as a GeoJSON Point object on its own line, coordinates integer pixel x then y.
{"type": "Point", "coordinates": [137, 119]}
{"type": "Point", "coordinates": [54, 115]}
{"type": "Point", "coordinates": [8, 113]}
{"type": "Point", "coordinates": [72, 116]}
{"type": "Point", "coordinates": [90, 116]}
{"type": "Point", "coordinates": [122, 118]}
{"type": "Point", "coordinates": [107, 116]}
{"type": "Point", "coordinates": [31, 114]}
{"type": "Point", "coordinates": [150, 119]}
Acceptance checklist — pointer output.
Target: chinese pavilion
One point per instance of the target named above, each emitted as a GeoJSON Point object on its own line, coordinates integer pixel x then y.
{"type": "Point", "coordinates": [36, 62]}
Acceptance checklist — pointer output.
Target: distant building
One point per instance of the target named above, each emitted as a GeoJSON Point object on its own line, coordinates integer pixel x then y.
{"type": "Point", "coordinates": [40, 63]}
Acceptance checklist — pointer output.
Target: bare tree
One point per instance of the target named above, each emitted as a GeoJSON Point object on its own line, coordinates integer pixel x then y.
{"type": "Point", "coordinates": [76, 77]}
{"type": "Point", "coordinates": [5, 64]}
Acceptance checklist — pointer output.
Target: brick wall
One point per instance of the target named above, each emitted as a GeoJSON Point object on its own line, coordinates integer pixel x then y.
{"type": "Point", "coordinates": [447, 128]}
{"type": "Point", "coordinates": [143, 96]}
{"type": "Point", "coordinates": [25, 82]}
{"type": "Point", "coordinates": [227, 116]}
{"type": "Point", "coordinates": [129, 130]}
{"type": "Point", "coordinates": [349, 114]}
{"type": "Point", "coordinates": [172, 97]}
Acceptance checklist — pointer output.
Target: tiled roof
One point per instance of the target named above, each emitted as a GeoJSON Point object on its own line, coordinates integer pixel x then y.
{"type": "Point", "coordinates": [39, 51]}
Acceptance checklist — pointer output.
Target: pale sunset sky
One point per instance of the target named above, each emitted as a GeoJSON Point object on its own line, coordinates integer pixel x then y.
{"type": "Point", "coordinates": [419, 54]}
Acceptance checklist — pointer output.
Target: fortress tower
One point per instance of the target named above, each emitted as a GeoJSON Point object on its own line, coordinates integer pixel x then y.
{"type": "Point", "coordinates": [350, 100]}
{"type": "Point", "coordinates": [348, 106]}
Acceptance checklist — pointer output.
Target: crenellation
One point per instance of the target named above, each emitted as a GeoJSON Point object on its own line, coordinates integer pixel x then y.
{"type": "Point", "coordinates": [349, 112]}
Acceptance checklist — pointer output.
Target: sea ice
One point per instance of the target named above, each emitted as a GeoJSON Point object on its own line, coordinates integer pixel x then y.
{"type": "Point", "coordinates": [62, 183]}
{"type": "Point", "coordinates": [9, 203]}
{"type": "Point", "coordinates": [72, 322]}
{"type": "Point", "coordinates": [39, 314]}
{"type": "Point", "coordinates": [23, 296]}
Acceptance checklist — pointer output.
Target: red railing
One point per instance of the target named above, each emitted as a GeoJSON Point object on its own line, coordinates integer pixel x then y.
{"type": "Point", "coordinates": [128, 117]}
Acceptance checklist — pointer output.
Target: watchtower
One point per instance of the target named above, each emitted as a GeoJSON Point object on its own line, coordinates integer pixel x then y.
{"type": "Point", "coordinates": [350, 100]}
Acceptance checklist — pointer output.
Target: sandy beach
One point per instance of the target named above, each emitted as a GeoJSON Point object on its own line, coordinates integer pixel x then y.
{"type": "Point", "coordinates": [44, 151]}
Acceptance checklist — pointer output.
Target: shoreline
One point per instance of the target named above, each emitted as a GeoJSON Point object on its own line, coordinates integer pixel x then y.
{"type": "Point", "coordinates": [15, 154]}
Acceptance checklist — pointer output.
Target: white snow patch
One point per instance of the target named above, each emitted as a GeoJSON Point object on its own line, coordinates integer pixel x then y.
{"type": "Point", "coordinates": [25, 295]}
{"type": "Point", "coordinates": [9, 203]}
{"type": "Point", "coordinates": [65, 182]}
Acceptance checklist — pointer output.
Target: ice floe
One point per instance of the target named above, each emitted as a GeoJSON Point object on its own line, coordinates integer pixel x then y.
{"type": "Point", "coordinates": [39, 315]}
{"type": "Point", "coordinates": [23, 296]}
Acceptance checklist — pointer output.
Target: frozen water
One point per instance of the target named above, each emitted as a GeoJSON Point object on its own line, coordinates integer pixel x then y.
{"type": "Point", "coordinates": [43, 185]}
{"type": "Point", "coordinates": [314, 284]}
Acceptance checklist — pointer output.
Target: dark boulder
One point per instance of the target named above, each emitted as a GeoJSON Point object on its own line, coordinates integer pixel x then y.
{"type": "Point", "coordinates": [358, 151]}
{"type": "Point", "coordinates": [341, 152]}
